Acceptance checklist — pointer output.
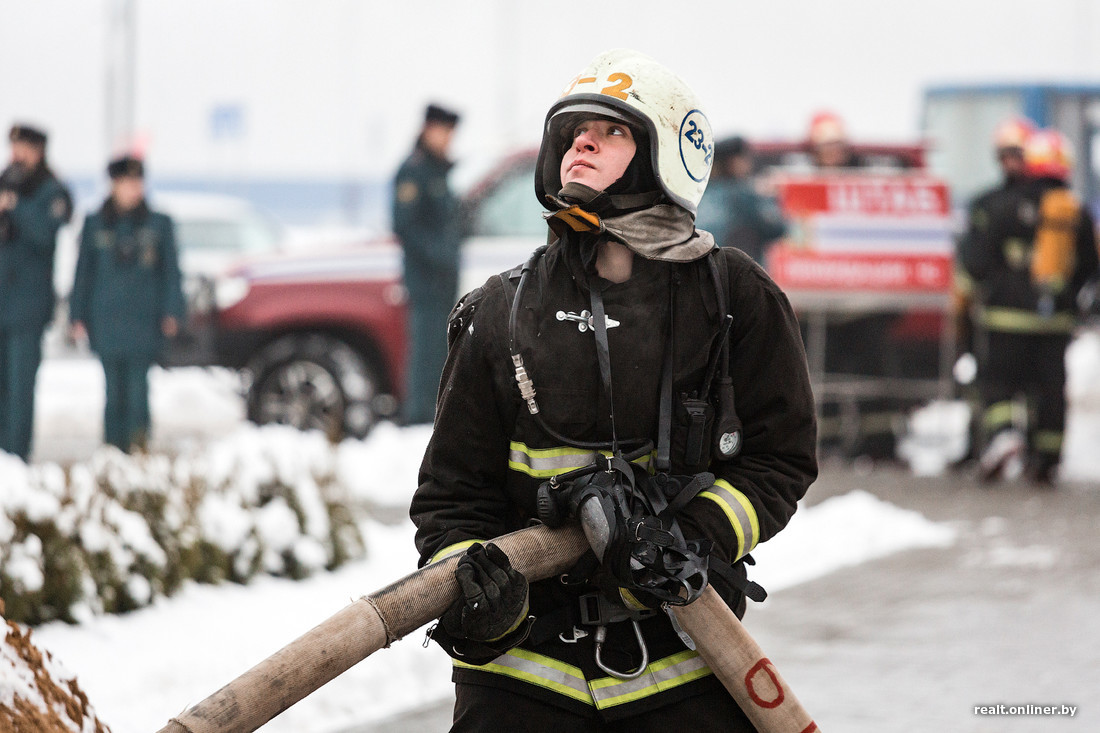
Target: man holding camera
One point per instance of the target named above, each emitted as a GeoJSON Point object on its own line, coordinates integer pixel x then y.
{"type": "Point", "coordinates": [33, 206]}
{"type": "Point", "coordinates": [127, 298]}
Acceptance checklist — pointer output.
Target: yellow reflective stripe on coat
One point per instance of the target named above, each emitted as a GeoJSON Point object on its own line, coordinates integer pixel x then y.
{"type": "Point", "coordinates": [547, 462]}
{"type": "Point", "coordinates": [606, 692]}
{"type": "Point", "coordinates": [455, 549]}
{"type": "Point", "coordinates": [740, 512]}
{"type": "Point", "coordinates": [1019, 320]}
{"type": "Point", "coordinates": [1048, 441]}
{"type": "Point", "coordinates": [662, 675]}
{"type": "Point", "coordinates": [999, 414]}
{"type": "Point", "coordinates": [540, 670]}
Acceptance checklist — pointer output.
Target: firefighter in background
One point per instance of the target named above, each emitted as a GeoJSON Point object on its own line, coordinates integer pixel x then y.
{"type": "Point", "coordinates": [827, 139]}
{"type": "Point", "coordinates": [1009, 140]}
{"type": "Point", "coordinates": [733, 210]}
{"type": "Point", "coordinates": [1029, 253]}
{"type": "Point", "coordinates": [127, 298]}
{"type": "Point", "coordinates": [628, 336]}
{"type": "Point", "coordinates": [33, 206]}
{"type": "Point", "coordinates": [427, 221]}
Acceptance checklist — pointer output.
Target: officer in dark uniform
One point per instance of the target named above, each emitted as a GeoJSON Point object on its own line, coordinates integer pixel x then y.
{"type": "Point", "coordinates": [426, 220]}
{"type": "Point", "coordinates": [605, 370]}
{"type": "Point", "coordinates": [1029, 251]}
{"type": "Point", "coordinates": [33, 206]}
{"type": "Point", "coordinates": [127, 298]}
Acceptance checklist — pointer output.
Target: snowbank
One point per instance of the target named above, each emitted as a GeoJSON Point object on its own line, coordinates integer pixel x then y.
{"type": "Point", "coordinates": [842, 531]}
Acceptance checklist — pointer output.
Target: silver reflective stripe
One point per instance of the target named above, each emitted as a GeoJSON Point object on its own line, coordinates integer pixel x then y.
{"type": "Point", "coordinates": [536, 669]}
{"type": "Point", "coordinates": [547, 462]}
{"type": "Point", "coordinates": [740, 512]}
{"type": "Point", "coordinates": [659, 676]}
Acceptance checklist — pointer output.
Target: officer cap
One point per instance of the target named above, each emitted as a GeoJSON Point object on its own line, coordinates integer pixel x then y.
{"type": "Point", "coordinates": [126, 165]}
{"type": "Point", "coordinates": [435, 113]}
{"type": "Point", "coordinates": [27, 134]}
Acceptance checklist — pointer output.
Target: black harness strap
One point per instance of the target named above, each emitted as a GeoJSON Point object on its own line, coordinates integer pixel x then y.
{"type": "Point", "coordinates": [603, 354]}
{"type": "Point", "coordinates": [664, 425]}
{"type": "Point", "coordinates": [699, 482]}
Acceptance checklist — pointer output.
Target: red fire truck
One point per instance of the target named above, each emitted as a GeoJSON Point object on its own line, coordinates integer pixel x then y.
{"type": "Point", "coordinates": [867, 262]}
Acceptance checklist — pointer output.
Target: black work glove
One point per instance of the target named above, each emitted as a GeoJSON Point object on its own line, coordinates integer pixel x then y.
{"type": "Point", "coordinates": [491, 616]}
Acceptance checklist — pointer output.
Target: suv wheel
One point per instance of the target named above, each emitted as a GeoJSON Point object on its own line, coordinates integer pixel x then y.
{"type": "Point", "coordinates": [314, 382]}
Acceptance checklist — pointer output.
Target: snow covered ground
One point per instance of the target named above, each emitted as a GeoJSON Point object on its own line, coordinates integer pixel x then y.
{"type": "Point", "coordinates": [142, 668]}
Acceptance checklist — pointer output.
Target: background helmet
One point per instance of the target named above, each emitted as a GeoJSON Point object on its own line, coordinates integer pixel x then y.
{"type": "Point", "coordinates": [1046, 155]}
{"type": "Point", "coordinates": [826, 127]}
{"type": "Point", "coordinates": [630, 87]}
{"type": "Point", "coordinates": [1013, 133]}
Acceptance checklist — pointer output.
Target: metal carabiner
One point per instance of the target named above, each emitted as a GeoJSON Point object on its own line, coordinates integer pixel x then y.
{"type": "Point", "coordinates": [601, 636]}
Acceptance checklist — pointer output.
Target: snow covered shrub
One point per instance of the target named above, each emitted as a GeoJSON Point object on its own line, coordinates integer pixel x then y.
{"type": "Point", "coordinates": [116, 532]}
{"type": "Point", "coordinates": [36, 692]}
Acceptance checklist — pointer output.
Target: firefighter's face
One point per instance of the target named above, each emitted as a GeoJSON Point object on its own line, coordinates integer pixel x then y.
{"type": "Point", "coordinates": [831, 154]}
{"type": "Point", "coordinates": [1011, 160]}
{"type": "Point", "coordinates": [599, 155]}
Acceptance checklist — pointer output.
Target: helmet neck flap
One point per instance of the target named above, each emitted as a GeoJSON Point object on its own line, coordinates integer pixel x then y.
{"type": "Point", "coordinates": [656, 231]}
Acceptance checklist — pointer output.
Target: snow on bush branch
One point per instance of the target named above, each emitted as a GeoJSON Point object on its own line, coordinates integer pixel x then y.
{"type": "Point", "coordinates": [113, 533]}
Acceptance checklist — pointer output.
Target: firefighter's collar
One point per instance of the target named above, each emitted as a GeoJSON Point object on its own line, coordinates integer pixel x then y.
{"type": "Point", "coordinates": [661, 231]}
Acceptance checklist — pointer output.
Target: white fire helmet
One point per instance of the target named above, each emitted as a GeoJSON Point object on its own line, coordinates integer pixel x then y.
{"type": "Point", "coordinates": [632, 87]}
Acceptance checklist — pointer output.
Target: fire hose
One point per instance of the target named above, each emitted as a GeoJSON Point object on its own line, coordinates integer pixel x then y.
{"type": "Point", "coordinates": [375, 621]}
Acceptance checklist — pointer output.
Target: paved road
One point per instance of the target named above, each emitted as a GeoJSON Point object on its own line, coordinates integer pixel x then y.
{"type": "Point", "coordinates": [1009, 615]}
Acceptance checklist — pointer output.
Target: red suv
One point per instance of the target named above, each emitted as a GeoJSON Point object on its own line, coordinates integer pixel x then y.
{"type": "Point", "coordinates": [321, 335]}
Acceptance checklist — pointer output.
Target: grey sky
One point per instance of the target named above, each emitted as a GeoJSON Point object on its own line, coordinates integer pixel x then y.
{"type": "Point", "coordinates": [336, 87]}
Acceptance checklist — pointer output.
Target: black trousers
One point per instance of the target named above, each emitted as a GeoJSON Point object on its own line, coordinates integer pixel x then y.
{"type": "Point", "coordinates": [483, 709]}
{"type": "Point", "coordinates": [1032, 365]}
{"type": "Point", "coordinates": [20, 355]}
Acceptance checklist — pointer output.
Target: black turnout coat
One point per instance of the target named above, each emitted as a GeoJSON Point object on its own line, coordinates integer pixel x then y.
{"type": "Point", "coordinates": [488, 456]}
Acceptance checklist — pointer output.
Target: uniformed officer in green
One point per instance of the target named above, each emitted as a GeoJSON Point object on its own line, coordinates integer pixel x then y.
{"type": "Point", "coordinates": [426, 220]}
{"type": "Point", "coordinates": [33, 206]}
{"type": "Point", "coordinates": [127, 298]}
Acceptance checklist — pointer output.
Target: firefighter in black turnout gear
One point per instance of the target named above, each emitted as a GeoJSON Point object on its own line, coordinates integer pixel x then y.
{"type": "Point", "coordinates": [1029, 250]}
{"type": "Point", "coordinates": [630, 372]}
{"type": "Point", "coordinates": [34, 204]}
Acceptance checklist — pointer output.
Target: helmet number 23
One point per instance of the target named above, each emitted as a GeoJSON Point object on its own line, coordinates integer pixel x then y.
{"type": "Point", "coordinates": [698, 138]}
